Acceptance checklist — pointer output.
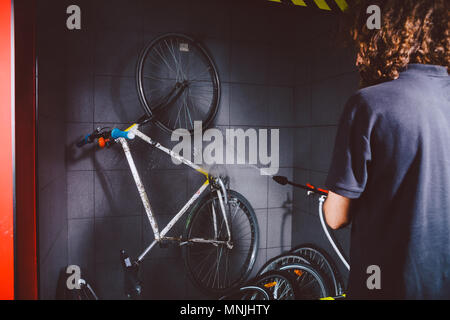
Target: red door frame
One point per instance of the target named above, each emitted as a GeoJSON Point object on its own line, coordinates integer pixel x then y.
{"type": "Point", "coordinates": [26, 281]}
{"type": "Point", "coordinates": [6, 154]}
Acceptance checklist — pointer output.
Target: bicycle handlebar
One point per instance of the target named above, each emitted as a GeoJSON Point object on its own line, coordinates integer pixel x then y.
{"type": "Point", "coordinates": [85, 140]}
{"type": "Point", "coordinates": [89, 138]}
{"type": "Point", "coordinates": [117, 133]}
{"type": "Point", "coordinates": [105, 138]}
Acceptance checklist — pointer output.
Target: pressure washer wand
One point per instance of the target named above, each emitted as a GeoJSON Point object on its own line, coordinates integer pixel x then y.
{"type": "Point", "coordinates": [284, 181]}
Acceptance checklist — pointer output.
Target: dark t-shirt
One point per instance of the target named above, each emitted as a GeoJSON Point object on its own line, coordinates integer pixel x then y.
{"type": "Point", "coordinates": [392, 154]}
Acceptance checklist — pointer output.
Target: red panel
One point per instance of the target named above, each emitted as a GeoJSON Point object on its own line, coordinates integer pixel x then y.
{"type": "Point", "coordinates": [6, 165]}
{"type": "Point", "coordinates": [25, 113]}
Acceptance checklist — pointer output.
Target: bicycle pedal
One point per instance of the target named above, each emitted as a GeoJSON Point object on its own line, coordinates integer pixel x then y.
{"type": "Point", "coordinates": [125, 259]}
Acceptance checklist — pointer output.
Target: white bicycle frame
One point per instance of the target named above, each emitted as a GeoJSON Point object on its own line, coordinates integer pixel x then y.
{"type": "Point", "coordinates": [161, 235]}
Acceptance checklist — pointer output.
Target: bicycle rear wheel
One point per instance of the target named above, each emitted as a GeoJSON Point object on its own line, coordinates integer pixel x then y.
{"type": "Point", "coordinates": [215, 268]}
{"type": "Point", "coordinates": [177, 82]}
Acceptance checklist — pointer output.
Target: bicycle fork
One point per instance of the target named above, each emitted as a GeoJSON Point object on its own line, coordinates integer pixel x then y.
{"type": "Point", "coordinates": [224, 213]}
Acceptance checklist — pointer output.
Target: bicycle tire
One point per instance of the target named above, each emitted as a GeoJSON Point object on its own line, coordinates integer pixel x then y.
{"type": "Point", "coordinates": [249, 292]}
{"type": "Point", "coordinates": [173, 49]}
{"type": "Point", "coordinates": [322, 262]}
{"type": "Point", "coordinates": [305, 275]}
{"type": "Point", "coordinates": [199, 225]}
{"type": "Point", "coordinates": [282, 259]}
{"type": "Point", "coordinates": [276, 280]}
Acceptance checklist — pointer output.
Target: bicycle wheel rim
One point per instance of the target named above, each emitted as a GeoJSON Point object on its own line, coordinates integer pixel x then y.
{"type": "Point", "coordinates": [203, 92]}
{"type": "Point", "coordinates": [234, 264]}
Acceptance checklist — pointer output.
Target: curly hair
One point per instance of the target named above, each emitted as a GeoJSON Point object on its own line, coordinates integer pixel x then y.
{"type": "Point", "coordinates": [412, 31]}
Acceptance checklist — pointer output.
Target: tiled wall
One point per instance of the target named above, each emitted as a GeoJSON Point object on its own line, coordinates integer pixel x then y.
{"type": "Point", "coordinates": [272, 77]}
{"type": "Point", "coordinates": [327, 79]}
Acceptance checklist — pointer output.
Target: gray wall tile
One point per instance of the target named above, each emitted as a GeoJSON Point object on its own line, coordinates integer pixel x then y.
{"type": "Point", "coordinates": [116, 194]}
{"type": "Point", "coordinates": [302, 147]}
{"type": "Point", "coordinates": [117, 15]}
{"type": "Point", "coordinates": [249, 62]}
{"type": "Point", "coordinates": [80, 194]}
{"type": "Point", "coordinates": [115, 100]}
{"type": "Point", "coordinates": [113, 234]}
{"type": "Point", "coordinates": [322, 145]}
{"type": "Point", "coordinates": [255, 188]}
{"type": "Point", "coordinates": [302, 105]}
{"type": "Point", "coordinates": [248, 105]}
{"type": "Point", "coordinates": [123, 61]}
{"type": "Point", "coordinates": [281, 106]}
{"type": "Point", "coordinates": [81, 250]}
{"type": "Point", "coordinates": [279, 230]}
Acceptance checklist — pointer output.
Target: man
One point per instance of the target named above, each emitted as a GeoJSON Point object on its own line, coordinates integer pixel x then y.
{"type": "Point", "coordinates": [390, 172]}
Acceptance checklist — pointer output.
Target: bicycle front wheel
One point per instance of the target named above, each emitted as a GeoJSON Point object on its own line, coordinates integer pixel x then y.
{"type": "Point", "coordinates": [177, 82]}
{"type": "Point", "coordinates": [214, 267]}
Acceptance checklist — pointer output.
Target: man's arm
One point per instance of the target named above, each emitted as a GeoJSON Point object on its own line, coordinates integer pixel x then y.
{"type": "Point", "coordinates": [337, 210]}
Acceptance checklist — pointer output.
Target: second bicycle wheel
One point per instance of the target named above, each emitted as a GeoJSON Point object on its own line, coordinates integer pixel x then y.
{"type": "Point", "coordinates": [280, 284]}
{"type": "Point", "coordinates": [177, 82]}
{"type": "Point", "coordinates": [323, 263]}
{"type": "Point", "coordinates": [309, 282]}
{"type": "Point", "coordinates": [215, 268]}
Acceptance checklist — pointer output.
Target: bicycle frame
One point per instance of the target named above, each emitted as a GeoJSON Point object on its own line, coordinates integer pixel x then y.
{"type": "Point", "coordinates": [161, 235]}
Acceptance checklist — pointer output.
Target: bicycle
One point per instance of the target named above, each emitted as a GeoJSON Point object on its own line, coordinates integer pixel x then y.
{"type": "Point", "coordinates": [178, 85]}
{"type": "Point", "coordinates": [317, 260]}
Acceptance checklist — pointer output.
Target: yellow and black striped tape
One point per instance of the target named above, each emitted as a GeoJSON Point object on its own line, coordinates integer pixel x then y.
{"type": "Point", "coordinates": [321, 4]}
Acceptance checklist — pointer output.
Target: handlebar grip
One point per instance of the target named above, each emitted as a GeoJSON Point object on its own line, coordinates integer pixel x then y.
{"type": "Point", "coordinates": [83, 141]}
{"type": "Point", "coordinates": [117, 133]}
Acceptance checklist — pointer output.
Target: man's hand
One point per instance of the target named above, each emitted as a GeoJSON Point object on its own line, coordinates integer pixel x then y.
{"type": "Point", "coordinates": [337, 210]}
